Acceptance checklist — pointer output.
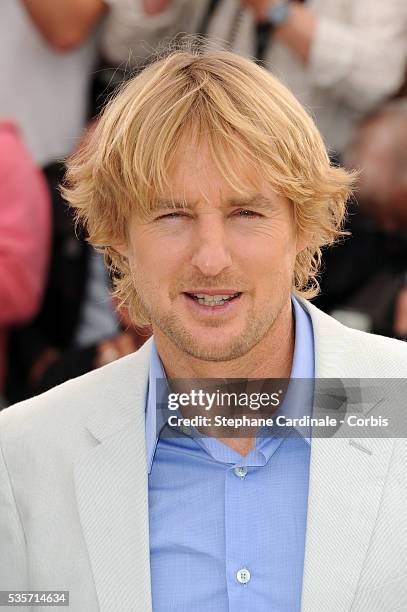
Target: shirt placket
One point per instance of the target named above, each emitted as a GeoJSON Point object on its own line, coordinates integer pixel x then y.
{"type": "Point", "coordinates": [239, 545]}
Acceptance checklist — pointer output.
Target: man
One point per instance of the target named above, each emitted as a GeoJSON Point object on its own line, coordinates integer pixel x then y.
{"type": "Point", "coordinates": [209, 188]}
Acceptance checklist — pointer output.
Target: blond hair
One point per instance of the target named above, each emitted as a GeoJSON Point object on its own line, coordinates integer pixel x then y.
{"type": "Point", "coordinates": [239, 109]}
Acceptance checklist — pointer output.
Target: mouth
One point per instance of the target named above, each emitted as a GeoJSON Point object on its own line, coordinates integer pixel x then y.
{"type": "Point", "coordinates": [213, 301]}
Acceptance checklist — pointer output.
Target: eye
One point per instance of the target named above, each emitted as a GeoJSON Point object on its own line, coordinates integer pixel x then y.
{"type": "Point", "coordinates": [248, 214]}
{"type": "Point", "coordinates": [171, 215]}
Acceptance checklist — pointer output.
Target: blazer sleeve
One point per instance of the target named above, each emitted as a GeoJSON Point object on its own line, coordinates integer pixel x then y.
{"type": "Point", "coordinates": [13, 567]}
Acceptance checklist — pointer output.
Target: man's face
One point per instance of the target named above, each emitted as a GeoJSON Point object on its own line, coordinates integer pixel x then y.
{"type": "Point", "coordinates": [222, 244]}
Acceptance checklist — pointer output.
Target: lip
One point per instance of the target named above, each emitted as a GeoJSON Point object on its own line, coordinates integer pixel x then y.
{"type": "Point", "coordinates": [213, 291]}
{"type": "Point", "coordinates": [212, 311]}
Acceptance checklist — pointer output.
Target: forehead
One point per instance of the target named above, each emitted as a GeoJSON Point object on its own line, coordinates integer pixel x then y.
{"type": "Point", "coordinates": [199, 172]}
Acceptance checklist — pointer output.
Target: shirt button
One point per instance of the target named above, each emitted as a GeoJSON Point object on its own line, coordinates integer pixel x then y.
{"type": "Point", "coordinates": [243, 575]}
{"type": "Point", "coordinates": [240, 471]}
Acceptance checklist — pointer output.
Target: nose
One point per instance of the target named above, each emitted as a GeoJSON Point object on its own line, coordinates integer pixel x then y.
{"type": "Point", "coordinates": [211, 254]}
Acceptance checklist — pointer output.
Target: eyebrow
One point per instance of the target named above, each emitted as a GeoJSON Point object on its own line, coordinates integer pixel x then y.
{"type": "Point", "coordinates": [258, 201]}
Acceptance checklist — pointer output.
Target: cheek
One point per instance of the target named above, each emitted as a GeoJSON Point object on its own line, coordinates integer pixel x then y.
{"type": "Point", "coordinates": [267, 252]}
{"type": "Point", "coordinates": [156, 269]}
{"type": "Point", "coordinates": [269, 264]}
{"type": "Point", "coordinates": [156, 253]}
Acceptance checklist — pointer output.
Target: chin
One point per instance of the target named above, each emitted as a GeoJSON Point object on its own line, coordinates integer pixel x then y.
{"type": "Point", "coordinates": [213, 353]}
{"type": "Point", "coordinates": [221, 348]}
{"type": "Point", "coordinates": [221, 343]}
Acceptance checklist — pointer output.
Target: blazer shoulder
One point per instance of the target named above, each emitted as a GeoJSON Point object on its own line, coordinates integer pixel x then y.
{"type": "Point", "coordinates": [387, 356]}
{"type": "Point", "coordinates": [353, 353]}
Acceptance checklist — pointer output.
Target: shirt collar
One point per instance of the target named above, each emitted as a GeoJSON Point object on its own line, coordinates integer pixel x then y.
{"type": "Point", "coordinates": [298, 400]}
{"type": "Point", "coordinates": [303, 367]}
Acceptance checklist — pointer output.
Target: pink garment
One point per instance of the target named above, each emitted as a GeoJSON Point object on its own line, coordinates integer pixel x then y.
{"type": "Point", "coordinates": [25, 220]}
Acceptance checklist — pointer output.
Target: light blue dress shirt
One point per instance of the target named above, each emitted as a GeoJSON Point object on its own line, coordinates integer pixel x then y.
{"type": "Point", "coordinates": [227, 532]}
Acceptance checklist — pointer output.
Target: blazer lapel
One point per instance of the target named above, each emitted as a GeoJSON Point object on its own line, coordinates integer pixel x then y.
{"type": "Point", "coordinates": [346, 481]}
{"type": "Point", "coordinates": [112, 490]}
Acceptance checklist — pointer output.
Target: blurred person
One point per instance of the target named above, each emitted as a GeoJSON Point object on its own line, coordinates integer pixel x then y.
{"type": "Point", "coordinates": [210, 189]}
{"type": "Point", "coordinates": [47, 54]}
{"type": "Point", "coordinates": [132, 31]}
{"type": "Point", "coordinates": [379, 150]}
{"type": "Point", "coordinates": [48, 59]}
{"type": "Point", "coordinates": [54, 45]}
{"type": "Point", "coordinates": [341, 59]}
{"type": "Point", "coordinates": [376, 287]}
{"type": "Point", "coordinates": [135, 28]}
{"type": "Point", "coordinates": [77, 328]}
{"type": "Point", "coordinates": [24, 236]}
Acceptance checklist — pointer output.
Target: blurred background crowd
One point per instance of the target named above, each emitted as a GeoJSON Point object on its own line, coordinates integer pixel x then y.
{"type": "Point", "coordinates": [60, 60]}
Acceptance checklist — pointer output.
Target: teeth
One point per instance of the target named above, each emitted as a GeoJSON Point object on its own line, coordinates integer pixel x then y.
{"type": "Point", "coordinates": [207, 302]}
{"type": "Point", "coordinates": [213, 300]}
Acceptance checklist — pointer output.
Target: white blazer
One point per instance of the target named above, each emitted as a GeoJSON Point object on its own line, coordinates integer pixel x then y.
{"type": "Point", "coordinates": [74, 490]}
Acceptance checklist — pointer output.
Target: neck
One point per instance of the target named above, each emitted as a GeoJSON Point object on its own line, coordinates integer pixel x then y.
{"type": "Point", "coordinates": [270, 358]}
